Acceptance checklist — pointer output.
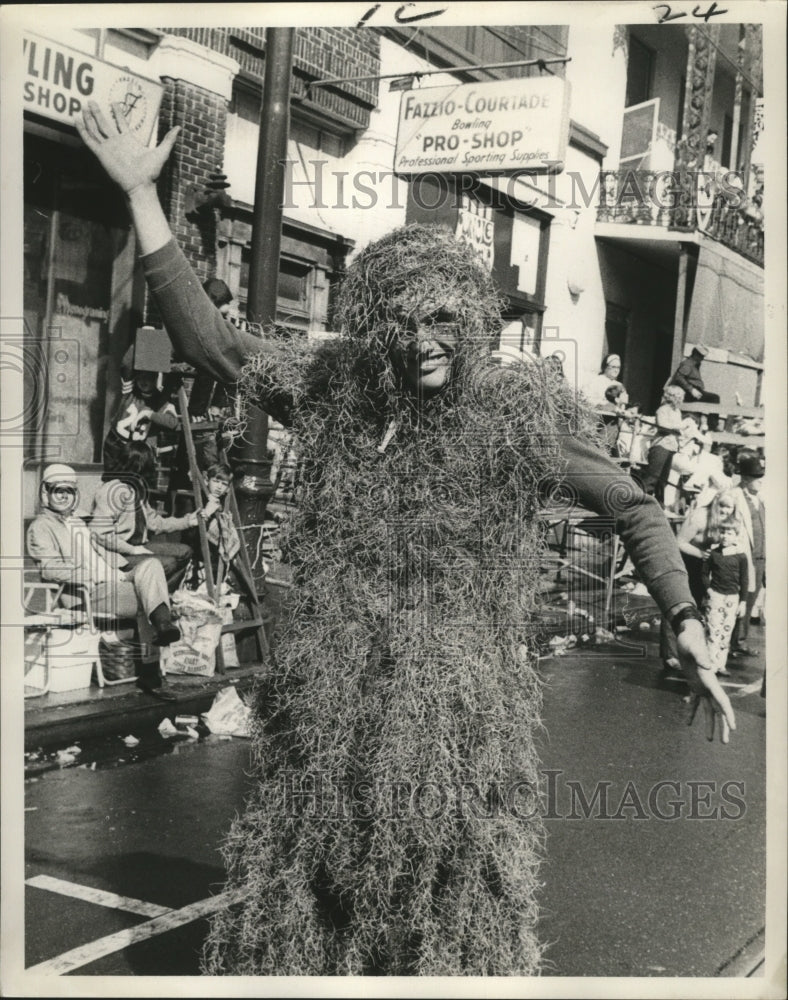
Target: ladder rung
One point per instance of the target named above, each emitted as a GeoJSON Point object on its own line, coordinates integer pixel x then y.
{"type": "Point", "coordinates": [239, 626]}
{"type": "Point", "coordinates": [204, 425]}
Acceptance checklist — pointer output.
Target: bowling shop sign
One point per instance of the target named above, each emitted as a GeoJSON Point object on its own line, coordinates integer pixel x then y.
{"type": "Point", "coordinates": [500, 126]}
{"type": "Point", "coordinates": [59, 81]}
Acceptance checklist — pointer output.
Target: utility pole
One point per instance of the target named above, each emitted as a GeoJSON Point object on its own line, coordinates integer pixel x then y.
{"type": "Point", "coordinates": [271, 156]}
{"type": "Point", "coordinates": [255, 488]}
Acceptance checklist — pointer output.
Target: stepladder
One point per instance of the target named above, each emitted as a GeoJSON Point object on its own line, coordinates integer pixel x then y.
{"type": "Point", "coordinates": [215, 567]}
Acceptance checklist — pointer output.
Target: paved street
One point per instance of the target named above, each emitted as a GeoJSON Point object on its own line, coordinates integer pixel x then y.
{"type": "Point", "coordinates": [123, 869]}
{"type": "Point", "coordinates": [147, 832]}
{"type": "Point", "coordinates": [639, 895]}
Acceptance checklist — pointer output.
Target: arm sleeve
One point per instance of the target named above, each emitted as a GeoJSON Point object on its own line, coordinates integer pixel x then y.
{"type": "Point", "coordinates": [43, 547]}
{"type": "Point", "coordinates": [166, 417]}
{"type": "Point", "coordinates": [744, 577]}
{"type": "Point", "coordinates": [198, 331]}
{"type": "Point", "coordinates": [600, 485]}
{"type": "Point", "coordinates": [157, 523]}
{"type": "Point", "coordinates": [682, 379]}
{"type": "Point", "coordinates": [110, 520]}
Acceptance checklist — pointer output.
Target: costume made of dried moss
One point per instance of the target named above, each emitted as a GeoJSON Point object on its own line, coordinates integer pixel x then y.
{"type": "Point", "coordinates": [392, 830]}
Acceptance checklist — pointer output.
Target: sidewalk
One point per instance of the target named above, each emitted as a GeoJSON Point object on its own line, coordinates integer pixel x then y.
{"type": "Point", "coordinates": [56, 720]}
{"type": "Point", "coordinates": [59, 719]}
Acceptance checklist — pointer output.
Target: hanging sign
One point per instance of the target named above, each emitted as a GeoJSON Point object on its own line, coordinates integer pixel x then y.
{"type": "Point", "coordinates": [501, 126]}
{"type": "Point", "coordinates": [59, 81]}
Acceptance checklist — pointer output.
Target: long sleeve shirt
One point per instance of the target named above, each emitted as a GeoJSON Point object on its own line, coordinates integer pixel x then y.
{"type": "Point", "coordinates": [117, 514]}
{"type": "Point", "coordinates": [202, 336]}
{"type": "Point", "coordinates": [137, 418]}
{"type": "Point", "coordinates": [63, 549]}
{"type": "Point", "coordinates": [727, 573]}
{"type": "Point", "coordinates": [687, 376]}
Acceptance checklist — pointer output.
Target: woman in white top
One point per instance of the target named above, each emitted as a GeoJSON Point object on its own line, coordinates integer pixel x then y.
{"type": "Point", "coordinates": [665, 443]}
{"type": "Point", "coordinates": [608, 375]}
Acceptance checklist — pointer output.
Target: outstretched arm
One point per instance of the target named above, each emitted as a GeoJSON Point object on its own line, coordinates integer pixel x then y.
{"type": "Point", "coordinates": [200, 334]}
{"type": "Point", "coordinates": [600, 485]}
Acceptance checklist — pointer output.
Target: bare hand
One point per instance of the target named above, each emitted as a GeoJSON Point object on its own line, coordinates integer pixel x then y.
{"type": "Point", "coordinates": [706, 688]}
{"type": "Point", "coordinates": [130, 164]}
{"type": "Point", "coordinates": [211, 507]}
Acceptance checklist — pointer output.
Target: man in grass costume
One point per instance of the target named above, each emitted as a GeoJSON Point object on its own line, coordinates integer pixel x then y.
{"type": "Point", "coordinates": [393, 829]}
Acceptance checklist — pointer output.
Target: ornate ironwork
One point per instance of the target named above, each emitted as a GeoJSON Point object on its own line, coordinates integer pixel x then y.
{"type": "Point", "coordinates": [691, 149]}
{"type": "Point", "coordinates": [688, 201]}
{"type": "Point", "coordinates": [741, 229]}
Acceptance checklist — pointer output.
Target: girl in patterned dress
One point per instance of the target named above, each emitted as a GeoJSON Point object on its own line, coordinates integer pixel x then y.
{"type": "Point", "coordinates": [726, 574]}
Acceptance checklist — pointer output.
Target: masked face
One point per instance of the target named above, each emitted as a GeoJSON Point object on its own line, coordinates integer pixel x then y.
{"type": "Point", "coordinates": [146, 383]}
{"type": "Point", "coordinates": [61, 498]}
{"type": "Point", "coordinates": [424, 351]}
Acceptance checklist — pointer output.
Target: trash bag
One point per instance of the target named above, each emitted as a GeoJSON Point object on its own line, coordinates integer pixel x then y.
{"type": "Point", "coordinates": [227, 602]}
{"type": "Point", "coordinates": [229, 649]}
{"type": "Point", "coordinates": [200, 622]}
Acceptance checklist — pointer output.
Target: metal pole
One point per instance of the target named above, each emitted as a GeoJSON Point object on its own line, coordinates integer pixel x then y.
{"type": "Point", "coordinates": [677, 352]}
{"type": "Point", "coordinates": [255, 488]}
{"type": "Point", "coordinates": [271, 156]}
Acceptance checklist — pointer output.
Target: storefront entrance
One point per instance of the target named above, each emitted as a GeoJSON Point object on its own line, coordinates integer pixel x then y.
{"type": "Point", "coordinates": [78, 298]}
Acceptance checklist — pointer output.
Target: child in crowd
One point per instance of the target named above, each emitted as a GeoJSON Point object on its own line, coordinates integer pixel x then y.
{"type": "Point", "coordinates": [219, 526]}
{"type": "Point", "coordinates": [726, 575]}
{"type": "Point", "coordinates": [143, 412]}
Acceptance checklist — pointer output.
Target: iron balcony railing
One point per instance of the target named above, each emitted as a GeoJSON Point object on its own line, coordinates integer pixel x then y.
{"type": "Point", "coordinates": [685, 201]}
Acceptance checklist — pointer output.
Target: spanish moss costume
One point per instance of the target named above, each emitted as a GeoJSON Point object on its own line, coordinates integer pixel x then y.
{"type": "Point", "coordinates": [393, 827]}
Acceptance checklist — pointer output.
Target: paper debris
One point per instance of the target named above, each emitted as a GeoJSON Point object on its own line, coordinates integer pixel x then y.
{"type": "Point", "coordinates": [166, 729]}
{"type": "Point", "coordinates": [228, 714]}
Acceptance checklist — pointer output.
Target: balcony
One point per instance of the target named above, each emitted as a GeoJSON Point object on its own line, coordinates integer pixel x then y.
{"type": "Point", "coordinates": [684, 202]}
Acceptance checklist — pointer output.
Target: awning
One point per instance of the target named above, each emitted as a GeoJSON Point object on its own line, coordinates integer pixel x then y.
{"type": "Point", "coordinates": [727, 305]}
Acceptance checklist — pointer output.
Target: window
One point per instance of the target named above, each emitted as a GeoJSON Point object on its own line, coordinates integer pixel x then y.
{"type": "Point", "coordinates": [246, 105]}
{"type": "Point", "coordinates": [640, 72]}
{"type": "Point", "coordinates": [299, 305]}
{"type": "Point", "coordinates": [477, 44]}
{"type": "Point", "coordinates": [638, 135]}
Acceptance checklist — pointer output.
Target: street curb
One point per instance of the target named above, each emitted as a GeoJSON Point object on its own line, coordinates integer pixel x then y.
{"type": "Point", "coordinates": [122, 714]}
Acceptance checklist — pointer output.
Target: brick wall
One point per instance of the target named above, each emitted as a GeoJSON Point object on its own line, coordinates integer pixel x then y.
{"type": "Point", "coordinates": [317, 53]}
{"type": "Point", "coordinates": [198, 152]}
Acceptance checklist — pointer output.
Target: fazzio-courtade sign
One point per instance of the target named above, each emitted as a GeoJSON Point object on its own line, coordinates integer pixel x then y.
{"type": "Point", "coordinates": [501, 126]}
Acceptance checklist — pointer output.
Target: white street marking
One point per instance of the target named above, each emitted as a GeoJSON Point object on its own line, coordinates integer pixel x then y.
{"type": "Point", "coordinates": [98, 896]}
{"type": "Point", "coordinates": [87, 953]}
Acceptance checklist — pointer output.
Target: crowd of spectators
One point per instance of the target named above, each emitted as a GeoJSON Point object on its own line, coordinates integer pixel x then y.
{"type": "Point", "coordinates": [123, 557]}
{"type": "Point", "coordinates": [711, 491]}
